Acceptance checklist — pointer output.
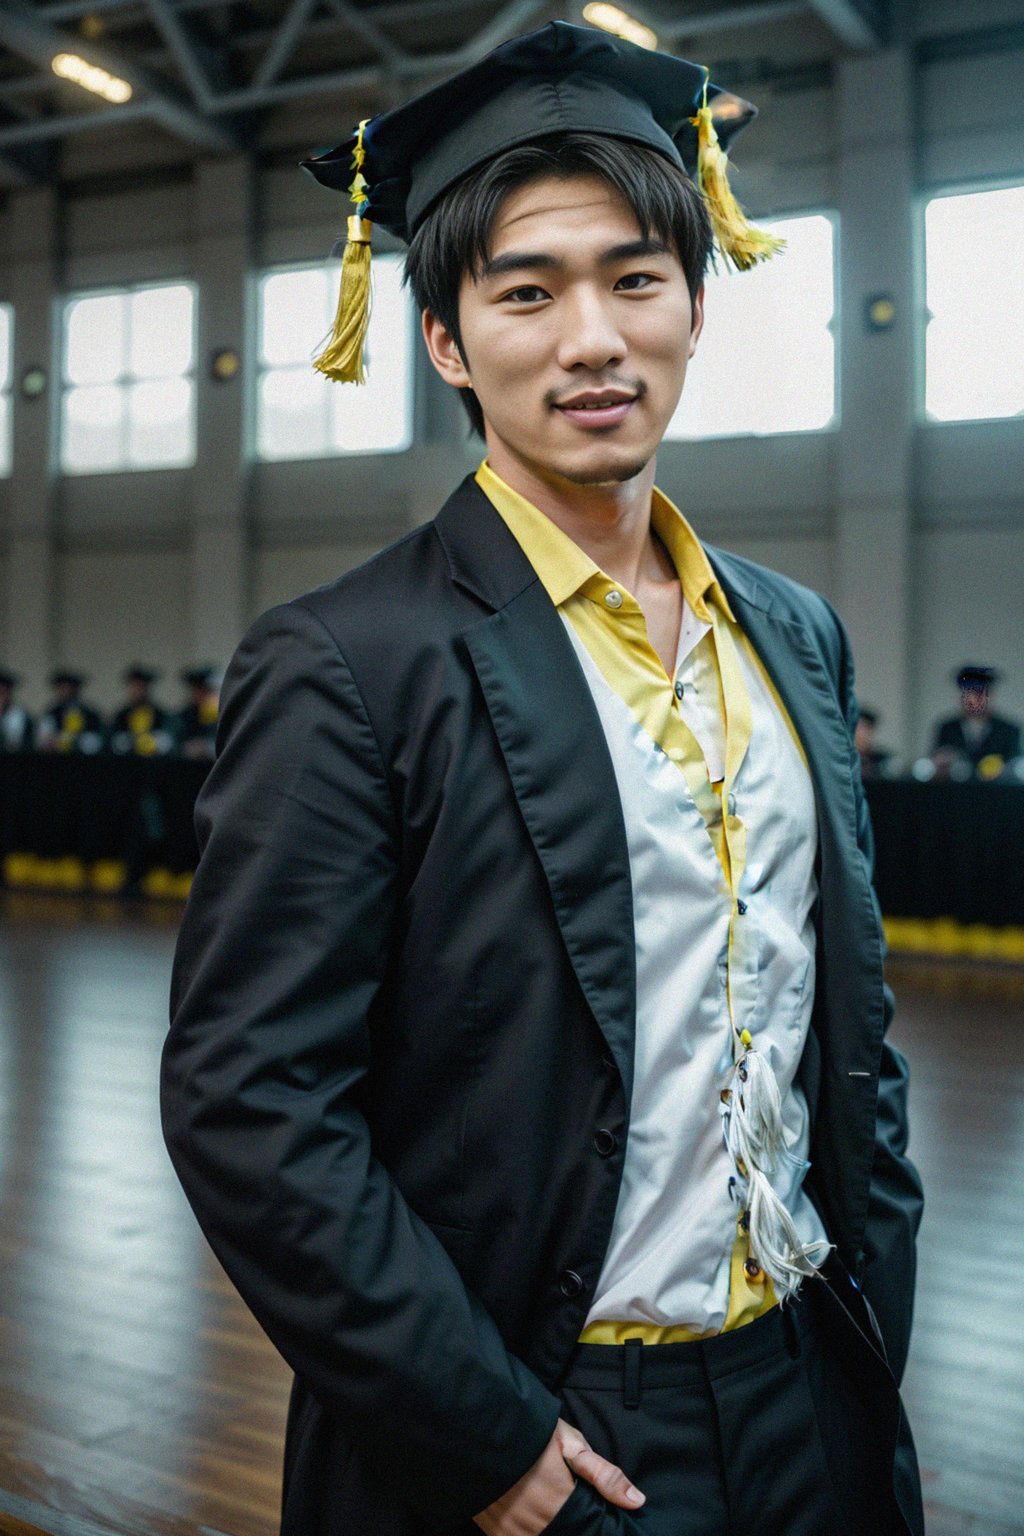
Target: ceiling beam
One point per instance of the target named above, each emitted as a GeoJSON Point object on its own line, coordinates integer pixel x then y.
{"type": "Point", "coordinates": [848, 21]}
{"type": "Point", "coordinates": [203, 71]}
{"type": "Point", "coordinates": [284, 42]}
{"type": "Point", "coordinates": [703, 23]}
{"type": "Point", "coordinates": [361, 23]}
{"type": "Point", "coordinates": [26, 33]}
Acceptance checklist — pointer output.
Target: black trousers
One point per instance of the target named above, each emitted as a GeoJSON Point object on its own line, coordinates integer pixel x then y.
{"type": "Point", "coordinates": [790, 1426]}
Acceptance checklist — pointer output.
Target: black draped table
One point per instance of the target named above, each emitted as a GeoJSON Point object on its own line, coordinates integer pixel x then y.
{"type": "Point", "coordinates": [943, 850]}
{"type": "Point", "coordinates": [949, 850]}
{"type": "Point", "coordinates": [65, 819]}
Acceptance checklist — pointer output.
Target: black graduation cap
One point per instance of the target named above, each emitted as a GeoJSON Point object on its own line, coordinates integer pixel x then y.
{"type": "Point", "coordinates": [199, 677]}
{"type": "Point", "coordinates": [559, 79]}
{"type": "Point", "coordinates": [8, 679]}
{"type": "Point", "coordinates": [65, 675]}
{"type": "Point", "coordinates": [976, 678]}
{"type": "Point", "coordinates": [138, 673]}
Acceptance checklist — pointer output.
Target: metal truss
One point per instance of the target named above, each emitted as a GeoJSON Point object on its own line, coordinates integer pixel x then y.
{"type": "Point", "coordinates": [208, 71]}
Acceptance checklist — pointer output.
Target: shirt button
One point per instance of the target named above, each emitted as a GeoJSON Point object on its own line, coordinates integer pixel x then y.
{"type": "Point", "coordinates": [613, 598]}
{"type": "Point", "coordinates": [741, 908]}
{"type": "Point", "coordinates": [753, 1269]}
{"type": "Point", "coordinates": [570, 1283]}
{"type": "Point", "coordinates": [679, 690]}
{"type": "Point", "coordinates": [731, 802]}
{"type": "Point", "coordinates": [606, 1141]}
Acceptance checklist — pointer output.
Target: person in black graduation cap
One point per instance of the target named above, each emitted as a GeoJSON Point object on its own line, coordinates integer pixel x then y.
{"type": "Point", "coordinates": [15, 724]}
{"type": "Point", "coordinates": [975, 733]}
{"type": "Point", "coordinates": [141, 726]}
{"type": "Point", "coordinates": [195, 726]}
{"type": "Point", "coordinates": [70, 724]}
{"type": "Point", "coordinates": [525, 1076]}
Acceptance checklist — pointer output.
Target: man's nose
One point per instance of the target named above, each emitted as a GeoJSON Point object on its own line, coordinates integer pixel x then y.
{"type": "Point", "coordinates": [590, 336]}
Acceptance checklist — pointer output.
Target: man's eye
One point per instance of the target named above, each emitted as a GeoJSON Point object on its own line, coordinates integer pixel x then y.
{"type": "Point", "coordinates": [634, 280]}
{"type": "Point", "coordinates": [528, 294]}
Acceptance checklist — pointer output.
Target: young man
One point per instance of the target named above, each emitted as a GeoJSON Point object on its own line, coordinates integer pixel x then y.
{"type": "Point", "coordinates": [526, 1068]}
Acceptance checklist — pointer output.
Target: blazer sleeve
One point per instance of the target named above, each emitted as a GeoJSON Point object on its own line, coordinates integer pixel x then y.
{"type": "Point", "coordinates": [895, 1200]}
{"type": "Point", "coordinates": [285, 941]}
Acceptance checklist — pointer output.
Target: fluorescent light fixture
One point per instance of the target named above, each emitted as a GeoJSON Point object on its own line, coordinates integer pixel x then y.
{"type": "Point", "coordinates": [70, 67]}
{"type": "Point", "coordinates": [612, 19]}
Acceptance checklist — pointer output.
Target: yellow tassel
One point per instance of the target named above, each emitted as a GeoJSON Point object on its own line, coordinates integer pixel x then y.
{"type": "Point", "coordinates": [739, 241]}
{"type": "Point", "coordinates": [342, 358]}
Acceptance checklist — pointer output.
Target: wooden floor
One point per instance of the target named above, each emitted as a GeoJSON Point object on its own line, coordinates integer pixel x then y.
{"type": "Point", "coordinates": [136, 1395]}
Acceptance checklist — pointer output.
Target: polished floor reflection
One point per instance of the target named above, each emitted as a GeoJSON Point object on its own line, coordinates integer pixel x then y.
{"type": "Point", "coordinates": [136, 1394]}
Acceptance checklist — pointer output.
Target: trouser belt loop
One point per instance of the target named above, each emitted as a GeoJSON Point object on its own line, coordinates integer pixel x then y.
{"type": "Point", "coordinates": [631, 1372]}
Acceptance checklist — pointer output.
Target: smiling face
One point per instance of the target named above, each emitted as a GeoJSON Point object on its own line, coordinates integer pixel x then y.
{"type": "Point", "coordinates": [575, 336]}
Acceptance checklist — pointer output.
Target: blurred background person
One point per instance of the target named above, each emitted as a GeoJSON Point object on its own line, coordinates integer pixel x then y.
{"type": "Point", "coordinates": [976, 737]}
{"type": "Point", "coordinates": [15, 725]}
{"type": "Point", "coordinates": [70, 724]}
{"type": "Point", "coordinates": [874, 760]}
{"type": "Point", "coordinates": [195, 726]}
{"type": "Point", "coordinates": [141, 725]}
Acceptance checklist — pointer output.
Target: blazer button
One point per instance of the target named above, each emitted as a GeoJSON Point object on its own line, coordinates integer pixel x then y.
{"type": "Point", "coordinates": [606, 1141]}
{"type": "Point", "coordinates": [570, 1283]}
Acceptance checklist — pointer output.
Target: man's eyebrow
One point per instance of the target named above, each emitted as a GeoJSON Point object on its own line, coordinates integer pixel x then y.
{"type": "Point", "coordinates": [533, 261]}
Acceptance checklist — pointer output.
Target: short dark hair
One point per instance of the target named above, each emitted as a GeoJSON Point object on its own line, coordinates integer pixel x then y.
{"type": "Point", "coordinates": [455, 236]}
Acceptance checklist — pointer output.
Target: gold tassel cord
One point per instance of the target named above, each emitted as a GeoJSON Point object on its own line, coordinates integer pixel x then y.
{"type": "Point", "coordinates": [342, 357]}
{"type": "Point", "coordinates": [739, 241]}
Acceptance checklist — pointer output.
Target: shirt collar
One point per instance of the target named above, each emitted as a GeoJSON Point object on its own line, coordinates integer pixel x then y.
{"type": "Point", "coordinates": [564, 568]}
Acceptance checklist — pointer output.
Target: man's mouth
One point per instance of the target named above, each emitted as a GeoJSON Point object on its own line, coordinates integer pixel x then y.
{"type": "Point", "coordinates": [598, 407]}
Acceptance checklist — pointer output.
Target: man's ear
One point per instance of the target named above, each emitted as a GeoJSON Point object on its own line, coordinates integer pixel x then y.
{"type": "Point", "coordinates": [697, 320]}
{"type": "Point", "coordinates": [444, 351]}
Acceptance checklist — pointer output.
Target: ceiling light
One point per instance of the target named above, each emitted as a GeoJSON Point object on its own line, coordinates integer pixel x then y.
{"type": "Point", "coordinates": [70, 67]}
{"type": "Point", "coordinates": [612, 19]}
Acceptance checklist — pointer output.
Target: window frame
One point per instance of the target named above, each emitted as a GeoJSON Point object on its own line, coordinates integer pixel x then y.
{"type": "Point", "coordinates": [7, 391]}
{"type": "Point", "coordinates": [125, 380]}
{"type": "Point", "coordinates": [834, 328]}
{"type": "Point", "coordinates": [260, 370]}
{"type": "Point", "coordinates": [926, 195]}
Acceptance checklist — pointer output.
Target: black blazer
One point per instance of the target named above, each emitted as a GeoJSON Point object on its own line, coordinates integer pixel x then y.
{"type": "Point", "coordinates": [1002, 738]}
{"type": "Point", "coordinates": [403, 1006]}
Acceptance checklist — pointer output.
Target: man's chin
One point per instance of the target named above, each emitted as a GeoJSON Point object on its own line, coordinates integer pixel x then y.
{"type": "Point", "coordinates": [609, 474]}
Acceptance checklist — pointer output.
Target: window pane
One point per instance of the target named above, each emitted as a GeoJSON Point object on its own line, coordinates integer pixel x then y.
{"type": "Point", "coordinates": [377, 417]}
{"type": "Point", "coordinates": [160, 332]}
{"type": "Point", "coordinates": [296, 310]}
{"type": "Point", "coordinates": [301, 414]}
{"type": "Point", "coordinates": [160, 423]}
{"type": "Point", "coordinates": [974, 346]}
{"type": "Point", "coordinates": [95, 336]}
{"type": "Point", "coordinates": [765, 361]}
{"type": "Point", "coordinates": [93, 435]}
{"type": "Point", "coordinates": [292, 414]}
{"type": "Point", "coordinates": [6, 319]}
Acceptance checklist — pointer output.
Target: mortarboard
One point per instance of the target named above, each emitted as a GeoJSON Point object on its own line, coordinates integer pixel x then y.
{"type": "Point", "coordinates": [137, 673]}
{"type": "Point", "coordinates": [73, 679]}
{"type": "Point", "coordinates": [559, 79]}
{"type": "Point", "coordinates": [973, 677]}
{"type": "Point", "coordinates": [8, 679]}
{"type": "Point", "coordinates": [198, 677]}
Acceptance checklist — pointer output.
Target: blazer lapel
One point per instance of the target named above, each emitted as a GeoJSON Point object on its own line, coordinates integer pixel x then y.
{"type": "Point", "coordinates": [554, 748]}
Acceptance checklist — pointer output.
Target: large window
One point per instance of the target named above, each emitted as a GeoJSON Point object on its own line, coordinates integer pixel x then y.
{"type": "Point", "coordinates": [128, 399]}
{"type": "Point", "coordinates": [974, 342]}
{"type": "Point", "coordinates": [6, 365]}
{"type": "Point", "coordinates": [766, 360]}
{"type": "Point", "coordinates": [301, 414]}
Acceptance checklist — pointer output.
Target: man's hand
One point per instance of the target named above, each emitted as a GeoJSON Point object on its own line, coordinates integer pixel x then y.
{"type": "Point", "coordinates": [531, 1504]}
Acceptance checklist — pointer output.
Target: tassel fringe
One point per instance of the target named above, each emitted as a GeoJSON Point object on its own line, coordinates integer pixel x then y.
{"type": "Point", "coordinates": [754, 1136]}
{"type": "Point", "coordinates": [741, 243]}
{"type": "Point", "coordinates": [342, 357]}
